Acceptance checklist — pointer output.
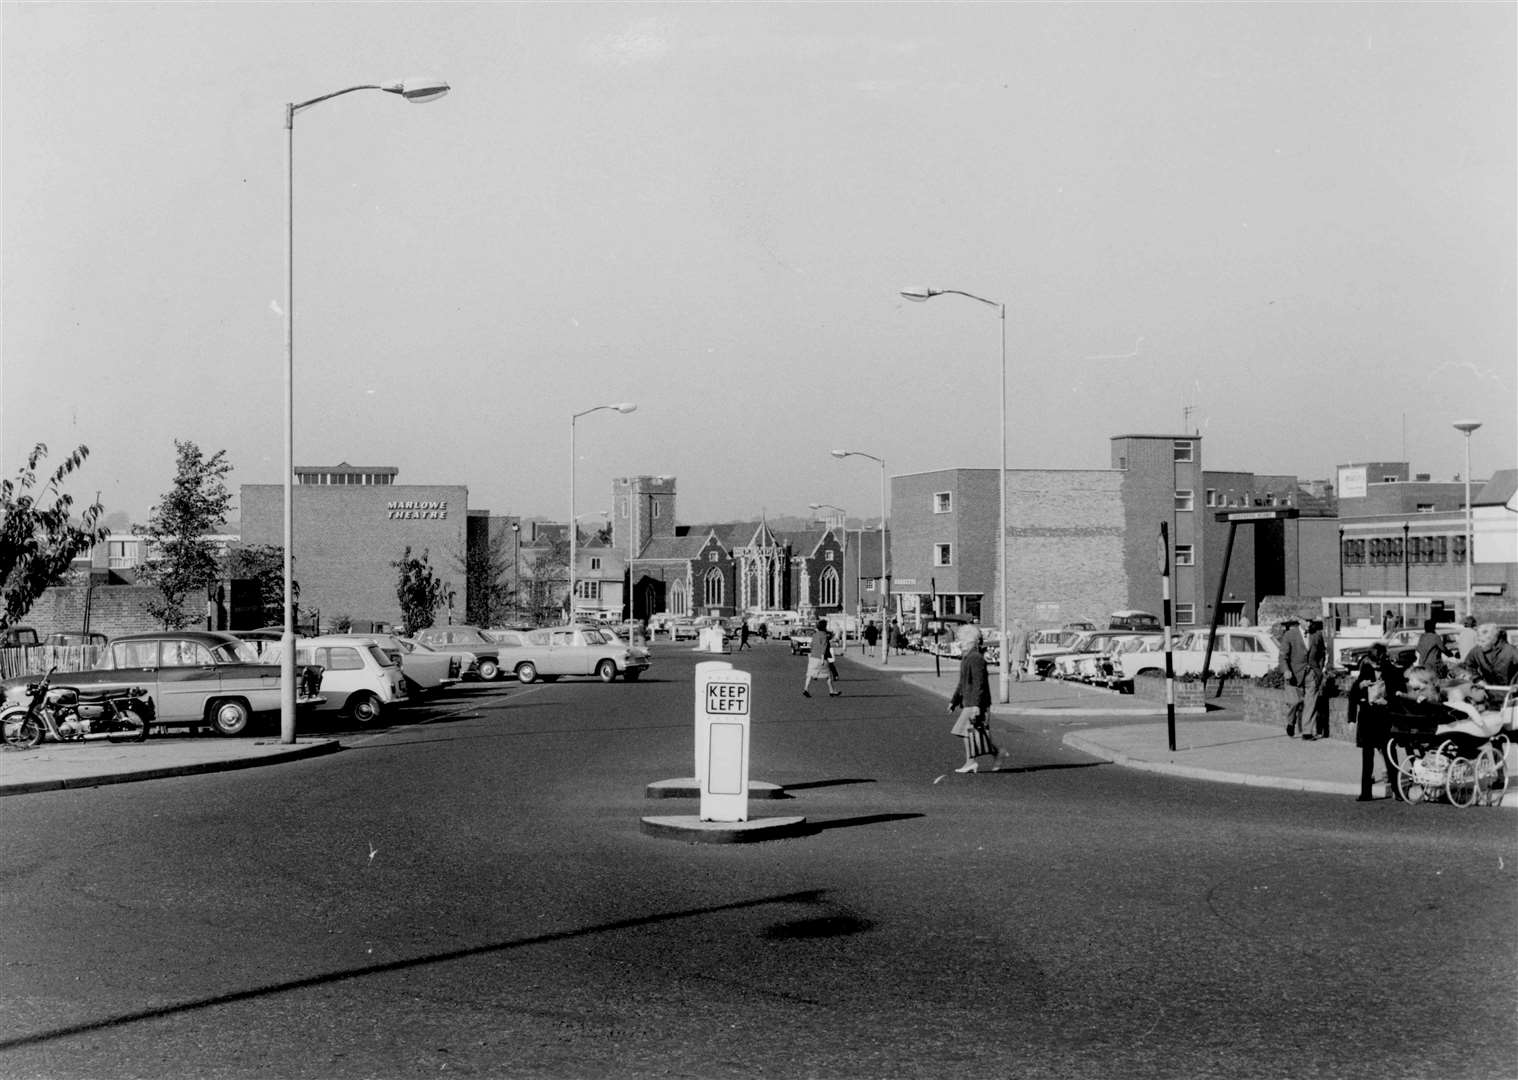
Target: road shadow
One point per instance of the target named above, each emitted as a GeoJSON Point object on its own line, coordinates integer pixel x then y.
{"type": "Point", "coordinates": [814, 827]}
{"type": "Point", "coordinates": [805, 897]}
{"type": "Point", "coordinates": [840, 782]}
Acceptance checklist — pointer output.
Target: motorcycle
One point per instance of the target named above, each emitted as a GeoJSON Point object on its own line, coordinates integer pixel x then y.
{"type": "Point", "coordinates": [71, 714]}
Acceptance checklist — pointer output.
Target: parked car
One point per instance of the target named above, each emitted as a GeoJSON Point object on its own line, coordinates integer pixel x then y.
{"type": "Point", "coordinates": [18, 637]}
{"type": "Point", "coordinates": [1144, 621]}
{"type": "Point", "coordinates": [479, 654]}
{"type": "Point", "coordinates": [615, 635]}
{"type": "Point", "coordinates": [1249, 649]}
{"type": "Point", "coordinates": [196, 678]}
{"type": "Point", "coordinates": [1081, 664]}
{"type": "Point", "coordinates": [1402, 644]}
{"type": "Point", "coordinates": [359, 679]}
{"type": "Point", "coordinates": [425, 670]}
{"type": "Point", "coordinates": [684, 629]}
{"type": "Point", "coordinates": [572, 650]}
{"type": "Point", "coordinates": [1112, 675]}
{"type": "Point", "coordinates": [265, 644]}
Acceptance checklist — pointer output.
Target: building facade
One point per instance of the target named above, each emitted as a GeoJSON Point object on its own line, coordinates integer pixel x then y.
{"type": "Point", "coordinates": [348, 533]}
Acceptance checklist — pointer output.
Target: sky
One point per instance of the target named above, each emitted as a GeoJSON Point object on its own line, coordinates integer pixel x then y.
{"type": "Point", "coordinates": [1287, 227]}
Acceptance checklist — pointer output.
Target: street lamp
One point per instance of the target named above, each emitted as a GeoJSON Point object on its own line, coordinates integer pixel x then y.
{"type": "Point", "coordinates": [414, 90]}
{"type": "Point", "coordinates": [621, 407]}
{"type": "Point", "coordinates": [516, 571]}
{"type": "Point", "coordinates": [922, 295]}
{"type": "Point", "coordinates": [885, 580]}
{"type": "Point", "coordinates": [1468, 426]}
{"type": "Point", "coordinates": [843, 522]}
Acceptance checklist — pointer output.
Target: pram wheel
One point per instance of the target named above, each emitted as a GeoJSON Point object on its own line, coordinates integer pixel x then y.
{"type": "Point", "coordinates": [1410, 790]}
{"type": "Point", "coordinates": [1460, 782]}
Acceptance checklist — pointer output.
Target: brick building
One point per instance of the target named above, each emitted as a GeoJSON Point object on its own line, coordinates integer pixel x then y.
{"type": "Point", "coordinates": [350, 524]}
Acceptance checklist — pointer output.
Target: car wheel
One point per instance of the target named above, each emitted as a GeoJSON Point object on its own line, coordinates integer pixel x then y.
{"type": "Point", "coordinates": [365, 708]}
{"type": "Point", "coordinates": [527, 672]}
{"type": "Point", "coordinates": [490, 671]}
{"type": "Point", "coordinates": [606, 670]}
{"type": "Point", "coordinates": [230, 717]}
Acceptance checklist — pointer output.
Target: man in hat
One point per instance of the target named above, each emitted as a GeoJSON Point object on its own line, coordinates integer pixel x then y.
{"type": "Point", "coordinates": [1294, 667]}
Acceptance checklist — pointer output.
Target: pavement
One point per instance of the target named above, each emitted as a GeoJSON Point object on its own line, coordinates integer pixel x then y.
{"type": "Point", "coordinates": [1215, 745]}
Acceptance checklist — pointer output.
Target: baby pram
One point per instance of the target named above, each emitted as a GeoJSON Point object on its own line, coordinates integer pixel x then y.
{"type": "Point", "coordinates": [1443, 752]}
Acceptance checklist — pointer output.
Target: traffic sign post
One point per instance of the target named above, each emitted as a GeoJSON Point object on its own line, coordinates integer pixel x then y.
{"type": "Point", "coordinates": [724, 705]}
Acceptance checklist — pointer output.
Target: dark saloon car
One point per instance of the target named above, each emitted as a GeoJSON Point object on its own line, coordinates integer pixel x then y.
{"type": "Point", "coordinates": [196, 678]}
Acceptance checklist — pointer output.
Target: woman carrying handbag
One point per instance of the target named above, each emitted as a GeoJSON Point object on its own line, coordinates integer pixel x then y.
{"type": "Point", "coordinates": [972, 700]}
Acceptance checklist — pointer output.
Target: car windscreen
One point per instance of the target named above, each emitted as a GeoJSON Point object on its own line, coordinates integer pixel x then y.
{"type": "Point", "coordinates": [234, 652]}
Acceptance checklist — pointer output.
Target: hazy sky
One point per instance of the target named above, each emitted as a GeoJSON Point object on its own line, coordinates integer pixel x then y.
{"type": "Point", "coordinates": [1295, 220]}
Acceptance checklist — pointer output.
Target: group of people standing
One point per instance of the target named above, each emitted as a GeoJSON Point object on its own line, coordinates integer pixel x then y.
{"type": "Point", "coordinates": [1430, 691]}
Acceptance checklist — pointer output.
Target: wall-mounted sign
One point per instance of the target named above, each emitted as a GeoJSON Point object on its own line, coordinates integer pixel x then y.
{"type": "Point", "coordinates": [417, 509]}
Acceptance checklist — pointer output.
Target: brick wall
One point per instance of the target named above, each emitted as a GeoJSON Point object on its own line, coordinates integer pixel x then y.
{"type": "Point", "coordinates": [114, 610]}
{"type": "Point", "coordinates": [1065, 545]}
{"type": "Point", "coordinates": [347, 537]}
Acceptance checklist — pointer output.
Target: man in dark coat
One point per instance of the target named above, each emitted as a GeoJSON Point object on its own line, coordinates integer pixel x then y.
{"type": "Point", "coordinates": [1294, 667]}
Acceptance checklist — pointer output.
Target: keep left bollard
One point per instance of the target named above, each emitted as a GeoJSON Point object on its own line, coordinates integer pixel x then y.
{"type": "Point", "coordinates": [724, 700]}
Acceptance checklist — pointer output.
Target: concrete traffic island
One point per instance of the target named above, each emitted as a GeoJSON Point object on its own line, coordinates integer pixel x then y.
{"type": "Point", "coordinates": [689, 787]}
{"type": "Point", "coordinates": [691, 829]}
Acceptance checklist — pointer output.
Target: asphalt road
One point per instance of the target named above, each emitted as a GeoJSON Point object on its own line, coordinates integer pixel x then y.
{"type": "Point", "coordinates": [472, 895]}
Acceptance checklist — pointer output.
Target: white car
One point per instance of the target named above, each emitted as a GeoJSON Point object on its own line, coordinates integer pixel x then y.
{"type": "Point", "coordinates": [1249, 649]}
{"type": "Point", "coordinates": [359, 679]}
{"type": "Point", "coordinates": [1082, 664]}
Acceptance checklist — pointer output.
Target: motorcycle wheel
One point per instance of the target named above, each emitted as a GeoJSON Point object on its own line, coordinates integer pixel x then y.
{"type": "Point", "coordinates": [133, 728]}
{"type": "Point", "coordinates": [21, 729]}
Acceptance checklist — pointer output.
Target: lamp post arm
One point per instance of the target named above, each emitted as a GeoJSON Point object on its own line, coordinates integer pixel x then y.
{"type": "Point", "coordinates": [293, 108]}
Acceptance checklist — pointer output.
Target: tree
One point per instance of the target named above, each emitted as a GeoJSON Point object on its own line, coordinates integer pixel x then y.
{"type": "Point", "coordinates": [264, 564]}
{"type": "Point", "coordinates": [418, 589]}
{"type": "Point", "coordinates": [38, 538]}
{"type": "Point", "coordinates": [181, 557]}
{"type": "Point", "coordinates": [492, 585]}
{"type": "Point", "coordinates": [548, 580]}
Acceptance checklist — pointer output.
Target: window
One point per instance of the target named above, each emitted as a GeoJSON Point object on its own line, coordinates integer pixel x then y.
{"type": "Point", "coordinates": [827, 556]}
{"type": "Point", "coordinates": [339, 658]}
{"type": "Point", "coordinates": [1458, 550]}
{"type": "Point", "coordinates": [943, 502]}
{"type": "Point", "coordinates": [943, 554]}
{"type": "Point", "coordinates": [595, 562]}
{"type": "Point", "coordinates": [1183, 450]}
{"type": "Point", "coordinates": [135, 654]}
{"type": "Point", "coordinates": [1185, 614]}
{"type": "Point", "coordinates": [711, 556]}
{"type": "Point", "coordinates": [1425, 508]}
{"type": "Point", "coordinates": [1212, 497]}
{"type": "Point", "coordinates": [1185, 555]}
{"type": "Point", "coordinates": [185, 654]}
{"type": "Point", "coordinates": [1183, 498]}
{"type": "Point", "coordinates": [827, 588]}
{"type": "Point", "coordinates": [712, 586]}
{"type": "Point", "coordinates": [588, 590]}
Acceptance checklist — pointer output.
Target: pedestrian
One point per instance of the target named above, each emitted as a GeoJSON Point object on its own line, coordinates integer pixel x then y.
{"type": "Point", "coordinates": [1493, 662]}
{"type": "Point", "coordinates": [898, 638]}
{"type": "Point", "coordinates": [1314, 700]}
{"type": "Point", "coordinates": [1465, 640]}
{"type": "Point", "coordinates": [1376, 680]}
{"type": "Point", "coordinates": [871, 635]}
{"type": "Point", "coordinates": [1430, 650]}
{"type": "Point", "coordinates": [1389, 622]}
{"type": "Point", "coordinates": [972, 701]}
{"type": "Point", "coordinates": [1294, 667]}
{"type": "Point", "coordinates": [1018, 651]}
{"type": "Point", "coordinates": [743, 636]}
{"type": "Point", "coordinates": [833, 658]}
{"type": "Point", "coordinates": [817, 660]}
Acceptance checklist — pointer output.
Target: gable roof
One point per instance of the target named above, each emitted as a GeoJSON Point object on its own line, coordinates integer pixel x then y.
{"type": "Point", "coordinates": [1499, 490]}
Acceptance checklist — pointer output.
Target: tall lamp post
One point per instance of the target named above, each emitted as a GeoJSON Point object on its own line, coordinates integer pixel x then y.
{"type": "Point", "coordinates": [885, 579]}
{"type": "Point", "coordinates": [574, 528]}
{"type": "Point", "coordinates": [1468, 426]}
{"type": "Point", "coordinates": [843, 522]}
{"type": "Point", "coordinates": [414, 90]}
{"type": "Point", "coordinates": [922, 295]}
{"type": "Point", "coordinates": [516, 571]}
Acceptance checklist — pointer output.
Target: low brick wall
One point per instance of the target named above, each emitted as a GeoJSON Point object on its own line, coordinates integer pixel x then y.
{"type": "Point", "coordinates": [1190, 695]}
{"type": "Point", "coordinates": [1268, 705]}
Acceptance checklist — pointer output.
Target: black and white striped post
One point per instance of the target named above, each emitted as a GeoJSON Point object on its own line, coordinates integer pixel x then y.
{"type": "Point", "coordinates": [1164, 556]}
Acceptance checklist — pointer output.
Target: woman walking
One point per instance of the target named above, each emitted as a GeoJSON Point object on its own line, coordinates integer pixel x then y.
{"type": "Point", "coordinates": [972, 699]}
